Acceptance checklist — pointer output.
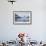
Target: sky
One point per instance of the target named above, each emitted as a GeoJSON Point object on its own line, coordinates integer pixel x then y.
{"type": "Point", "coordinates": [23, 13]}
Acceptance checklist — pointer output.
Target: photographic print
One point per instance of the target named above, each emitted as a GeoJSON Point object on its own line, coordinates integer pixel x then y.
{"type": "Point", "coordinates": [22, 17]}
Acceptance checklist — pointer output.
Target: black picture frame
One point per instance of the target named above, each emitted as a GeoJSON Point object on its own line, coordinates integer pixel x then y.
{"type": "Point", "coordinates": [22, 17]}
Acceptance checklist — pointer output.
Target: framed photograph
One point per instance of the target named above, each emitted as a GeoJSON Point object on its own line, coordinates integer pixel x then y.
{"type": "Point", "coordinates": [22, 17]}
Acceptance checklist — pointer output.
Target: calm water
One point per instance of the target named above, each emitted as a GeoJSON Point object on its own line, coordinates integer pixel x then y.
{"type": "Point", "coordinates": [22, 19]}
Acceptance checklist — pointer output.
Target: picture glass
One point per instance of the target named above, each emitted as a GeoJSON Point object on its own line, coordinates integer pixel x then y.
{"type": "Point", "coordinates": [22, 17]}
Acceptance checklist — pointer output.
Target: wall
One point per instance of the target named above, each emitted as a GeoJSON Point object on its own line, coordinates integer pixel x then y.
{"type": "Point", "coordinates": [9, 31]}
